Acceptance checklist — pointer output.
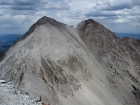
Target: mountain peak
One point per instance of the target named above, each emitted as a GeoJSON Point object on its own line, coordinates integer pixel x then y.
{"type": "Point", "coordinates": [87, 23]}
{"type": "Point", "coordinates": [42, 21]}
{"type": "Point", "coordinates": [89, 20]}
{"type": "Point", "coordinates": [45, 20]}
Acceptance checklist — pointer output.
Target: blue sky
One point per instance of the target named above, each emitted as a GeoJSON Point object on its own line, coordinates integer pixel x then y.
{"type": "Point", "coordinates": [16, 16]}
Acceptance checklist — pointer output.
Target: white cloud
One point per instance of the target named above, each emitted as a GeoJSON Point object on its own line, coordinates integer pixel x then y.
{"type": "Point", "coordinates": [56, 6]}
{"type": "Point", "coordinates": [113, 14]}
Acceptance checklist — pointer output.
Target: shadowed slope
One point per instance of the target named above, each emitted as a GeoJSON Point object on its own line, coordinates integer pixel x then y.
{"type": "Point", "coordinates": [120, 59]}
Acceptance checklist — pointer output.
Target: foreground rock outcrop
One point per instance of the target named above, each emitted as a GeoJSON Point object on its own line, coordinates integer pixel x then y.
{"type": "Point", "coordinates": [86, 65]}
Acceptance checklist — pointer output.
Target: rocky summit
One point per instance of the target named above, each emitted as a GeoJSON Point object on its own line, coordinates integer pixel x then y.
{"type": "Point", "coordinates": [67, 65]}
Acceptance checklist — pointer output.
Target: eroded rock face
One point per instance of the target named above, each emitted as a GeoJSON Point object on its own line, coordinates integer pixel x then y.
{"type": "Point", "coordinates": [120, 59]}
{"type": "Point", "coordinates": [79, 66]}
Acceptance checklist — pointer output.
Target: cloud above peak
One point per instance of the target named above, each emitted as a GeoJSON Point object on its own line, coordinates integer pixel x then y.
{"type": "Point", "coordinates": [111, 13]}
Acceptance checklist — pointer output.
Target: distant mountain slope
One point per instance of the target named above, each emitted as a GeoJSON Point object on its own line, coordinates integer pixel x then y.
{"type": "Point", "coordinates": [7, 40]}
{"type": "Point", "coordinates": [122, 35]}
{"type": "Point", "coordinates": [5, 45]}
{"type": "Point", "coordinates": [9, 37]}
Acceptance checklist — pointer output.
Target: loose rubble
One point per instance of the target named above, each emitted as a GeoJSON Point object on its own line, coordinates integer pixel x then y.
{"type": "Point", "coordinates": [11, 96]}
